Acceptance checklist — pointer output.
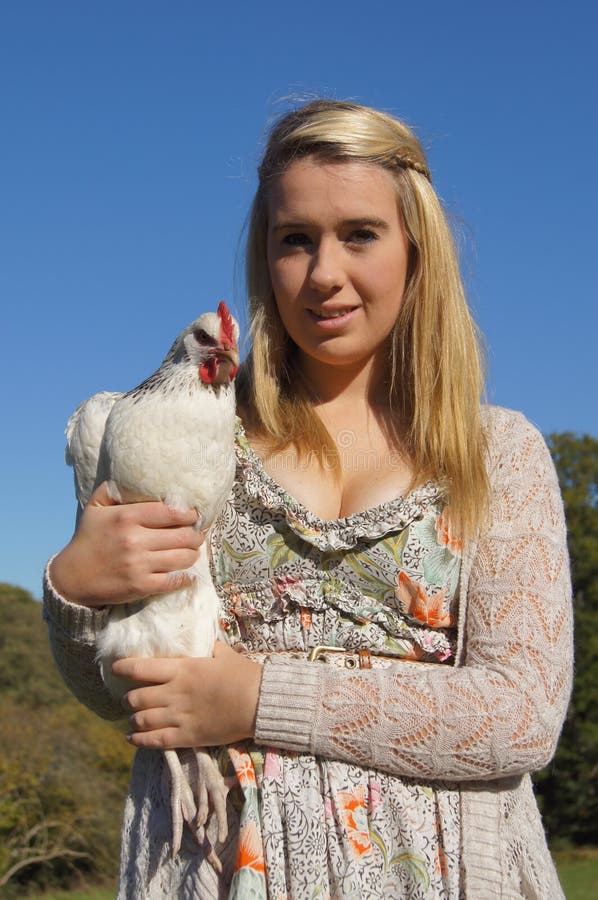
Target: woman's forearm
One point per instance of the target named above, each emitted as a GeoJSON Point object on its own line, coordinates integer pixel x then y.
{"type": "Point", "coordinates": [72, 631]}
{"type": "Point", "coordinates": [501, 712]}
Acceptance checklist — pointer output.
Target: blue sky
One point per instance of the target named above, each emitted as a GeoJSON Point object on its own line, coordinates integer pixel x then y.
{"type": "Point", "coordinates": [130, 132]}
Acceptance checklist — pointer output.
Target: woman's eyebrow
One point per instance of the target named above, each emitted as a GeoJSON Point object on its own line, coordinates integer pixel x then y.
{"type": "Point", "coordinates": [284, 224]}
{"type": "Point", "coordinates": [368, 221]}
{"type": "Point", "coordinates": [358, 222]}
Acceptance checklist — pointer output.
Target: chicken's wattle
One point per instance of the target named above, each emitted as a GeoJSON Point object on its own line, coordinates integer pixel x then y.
{"type": "Point", "coordinates": [208, 370]}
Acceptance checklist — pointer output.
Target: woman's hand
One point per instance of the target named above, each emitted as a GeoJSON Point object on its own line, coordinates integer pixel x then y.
{"type": "Point", "coordinates": [123, 552]}
{"type": "Point", "coordinates": [191, 702]}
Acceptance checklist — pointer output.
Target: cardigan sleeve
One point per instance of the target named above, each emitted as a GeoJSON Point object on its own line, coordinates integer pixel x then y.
{"type": "Point", "coordinates": [501, 711]}
{"type": "Point", "coordinates": [72, 631]}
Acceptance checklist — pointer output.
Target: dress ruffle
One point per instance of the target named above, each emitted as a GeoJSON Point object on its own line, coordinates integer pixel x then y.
{"type": "Point", "coordinates": [373, 624]}
{"type": "Point", "coordinates": [334, 534]}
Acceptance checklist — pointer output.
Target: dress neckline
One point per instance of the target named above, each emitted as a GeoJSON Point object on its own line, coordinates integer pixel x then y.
{"type": "Point", "coordinates": [341, 532]}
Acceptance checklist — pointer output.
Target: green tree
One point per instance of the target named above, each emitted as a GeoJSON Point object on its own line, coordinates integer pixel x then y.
{"type": "Point", "coordinates": [568, 788]}
{"type": "Point", "coordinates": [63, 771]}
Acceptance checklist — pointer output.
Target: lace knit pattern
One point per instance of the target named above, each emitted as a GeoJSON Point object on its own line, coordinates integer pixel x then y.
{"type": "Point", "coordinates": [498, 712]}
{"type": "Point", "coordinates": [483, 722]}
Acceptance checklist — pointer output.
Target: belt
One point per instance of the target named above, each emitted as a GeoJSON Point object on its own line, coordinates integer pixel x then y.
{"type": "Point", "coordinates": [340, 657]}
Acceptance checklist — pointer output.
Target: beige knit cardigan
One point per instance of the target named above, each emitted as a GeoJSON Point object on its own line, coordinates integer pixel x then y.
{"type": "Point", "coordinates": [485, 723]}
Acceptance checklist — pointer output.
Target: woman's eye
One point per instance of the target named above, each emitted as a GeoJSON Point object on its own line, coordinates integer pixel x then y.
{"type": "Point", "coordinates": [362, 236]}
{"type": "Point", "coordinates": [295, 240]}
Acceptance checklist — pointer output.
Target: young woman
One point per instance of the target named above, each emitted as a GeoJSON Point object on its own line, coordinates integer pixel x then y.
{"type": "Point", "coordinates": [380, 510]}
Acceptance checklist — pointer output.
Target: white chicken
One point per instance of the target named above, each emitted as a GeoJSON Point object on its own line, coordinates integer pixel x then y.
{"type": "Point", "coordinates": [171, 439]}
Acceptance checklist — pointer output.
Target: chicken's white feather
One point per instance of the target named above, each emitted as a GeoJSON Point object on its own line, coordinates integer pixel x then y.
{"type": "Point", "coordinates": [84, 433]}
{"type": "Point", "coordinates": [170, 439]}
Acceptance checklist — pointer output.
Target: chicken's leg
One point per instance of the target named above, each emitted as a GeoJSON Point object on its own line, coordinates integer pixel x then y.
{"type": "Point", "coordinates": [211, 788]}
{"type": "Point", "coordinates": [215, 790]}
{"type": "Point", "coordinates": [194, 810]}
{"type": "Point", "coordinates": [182, 802]}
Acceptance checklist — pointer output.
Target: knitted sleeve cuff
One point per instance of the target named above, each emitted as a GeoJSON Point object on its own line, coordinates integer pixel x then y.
{"type": "Point", "coordinates": [81, 623]}
{"type": "Point", "coordinates": [72, 633]}
{"type": "Point", "coordinates": [287, 706]}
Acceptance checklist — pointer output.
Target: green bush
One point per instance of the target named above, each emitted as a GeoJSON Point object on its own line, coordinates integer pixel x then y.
{"type": "Point", "coordinates": [568, 788]}
{"type": "Point", "coordinates": [63, 771]}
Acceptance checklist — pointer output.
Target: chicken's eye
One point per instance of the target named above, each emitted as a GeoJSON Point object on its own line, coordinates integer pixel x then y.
{"type": "Point", "coordinates": [202, 337]}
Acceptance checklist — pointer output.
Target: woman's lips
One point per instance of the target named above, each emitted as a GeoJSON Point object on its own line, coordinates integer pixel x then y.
{"type": "Point", "coordinates": [330, 320]}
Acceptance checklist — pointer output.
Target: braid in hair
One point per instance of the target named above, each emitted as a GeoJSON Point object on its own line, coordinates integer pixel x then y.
{"type": "Point", "coordinates": [405, 162]}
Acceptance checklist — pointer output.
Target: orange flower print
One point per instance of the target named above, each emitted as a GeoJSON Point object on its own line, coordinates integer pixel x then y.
{"type": "Point", "coordinates": [306, 618]}
{"type": "Point", "coordinates": [419, 606]}
{"type": "Point", "coordinates": [250, 853]}
{"type": "Point", "coordinates": [446, 536]}
{"type": "Point", "coordinates": [440, 861]}
{"type": "Point", "coordinates": [235, 599]}
{"type": "Point", "coordinates": [243, 764]}
{"type": "Point", "coordinates": [355, 821]}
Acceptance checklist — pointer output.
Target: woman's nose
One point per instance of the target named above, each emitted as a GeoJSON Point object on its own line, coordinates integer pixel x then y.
{"type": "Point", "coordinates": [327, 270]}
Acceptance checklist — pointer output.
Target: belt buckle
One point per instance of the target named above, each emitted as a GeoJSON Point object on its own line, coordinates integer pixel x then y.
{"type": "Point", "coordinates": [354, 661]}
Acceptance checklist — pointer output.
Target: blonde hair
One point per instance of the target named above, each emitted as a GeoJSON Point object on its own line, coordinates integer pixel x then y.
{"type": "Point", "coordinates": [436, 365]}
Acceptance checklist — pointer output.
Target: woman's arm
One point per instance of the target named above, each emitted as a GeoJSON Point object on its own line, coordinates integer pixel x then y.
{"type": "Point", "coordinates": [190, 701]}
{"type": "Point", "coordinates": [499, 713]}
{"type": "Point", "coordinates": [72, 630]}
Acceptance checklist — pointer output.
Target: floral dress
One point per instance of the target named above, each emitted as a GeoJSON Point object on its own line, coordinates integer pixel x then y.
{"type": "Point", "coordinates": [385, 580]}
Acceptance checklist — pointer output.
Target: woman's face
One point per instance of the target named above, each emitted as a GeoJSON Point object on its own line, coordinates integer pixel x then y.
{"type": "Point", "coordinates": [337, 257]}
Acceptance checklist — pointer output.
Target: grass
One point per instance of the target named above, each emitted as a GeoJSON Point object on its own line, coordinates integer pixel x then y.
{"type": "Point", "coordinates": [577, 868]}
{"type": "Point", "coordinates": [578, 872]}
{"type": "Point", "coordinates": [90, 893]}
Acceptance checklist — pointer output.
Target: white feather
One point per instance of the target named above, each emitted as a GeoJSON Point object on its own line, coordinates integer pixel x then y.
{"type": "Point", "coordinates": [170, 439]}
{"type": "Point", "coordinates": [84, 433]}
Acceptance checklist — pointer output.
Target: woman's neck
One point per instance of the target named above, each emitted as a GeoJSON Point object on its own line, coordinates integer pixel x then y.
{"type": "Point", "coordinates": [363, 385]}
{"type": "Point", "coordinates": [356, 398]}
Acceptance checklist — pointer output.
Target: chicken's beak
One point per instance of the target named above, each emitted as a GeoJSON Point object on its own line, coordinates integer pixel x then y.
{"type": "Point", "coordinates": [228, 364]}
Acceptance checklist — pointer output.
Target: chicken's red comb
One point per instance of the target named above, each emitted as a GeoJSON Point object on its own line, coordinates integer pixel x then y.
{"type": "Point", "coordinates": [227, 326]}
